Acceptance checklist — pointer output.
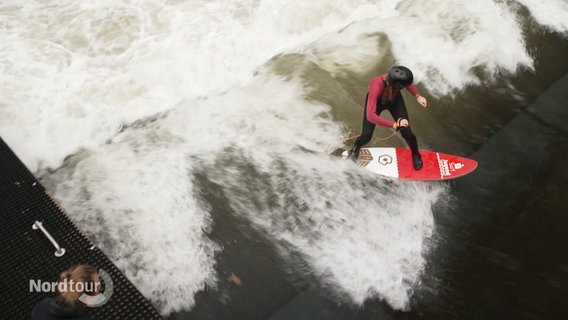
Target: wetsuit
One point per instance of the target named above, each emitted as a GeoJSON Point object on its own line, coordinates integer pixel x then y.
{"type": "Point", "coordinates": [380, 98]}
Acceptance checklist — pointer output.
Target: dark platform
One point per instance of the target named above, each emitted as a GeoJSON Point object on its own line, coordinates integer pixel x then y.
{"type": "Point", "coordinates": [26, 254]}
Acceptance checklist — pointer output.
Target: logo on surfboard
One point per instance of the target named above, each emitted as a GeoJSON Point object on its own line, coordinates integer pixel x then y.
{"type": "Point", "coordinates": [456, 166]}
{"type": "Point", "coordinates": [448, 167]}
{"type": "Point", "coordinates": [364, 158]}
{"type": "Point", "coordinates": [397, 163]}
{"type": "Point", "coordinates": [385, 159]}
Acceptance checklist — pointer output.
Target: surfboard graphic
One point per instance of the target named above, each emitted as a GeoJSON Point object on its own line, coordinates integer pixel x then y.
{"type": "Point", "coordinates": [397, 163]}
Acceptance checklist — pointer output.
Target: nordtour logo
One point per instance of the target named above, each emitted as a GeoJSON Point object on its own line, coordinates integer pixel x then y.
{"type": "Point", "coordinates": [92, 295]}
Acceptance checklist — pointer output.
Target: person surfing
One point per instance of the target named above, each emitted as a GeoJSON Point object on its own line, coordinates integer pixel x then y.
{"type": "Point", "coordinates": [385, 94]}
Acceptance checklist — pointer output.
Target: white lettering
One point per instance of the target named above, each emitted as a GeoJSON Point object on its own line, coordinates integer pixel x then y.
{"type": "Point", "coordinates": [79, 287]}
{"type": "Point", "coordinates": [97, 287]}
{"type": "Point", "coordinates": [92, 287]}
{"type": "Point", "coordinates": [46, 287]}
{"type": "Point", "coordinates": [444, 167]}
{"type": "Point", "coordinates": [35, 285]}
{"type": "Point", "coordinates": [62, 286]}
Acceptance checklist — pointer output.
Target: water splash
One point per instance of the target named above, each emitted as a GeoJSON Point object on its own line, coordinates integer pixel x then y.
{"type": "Point", "coordinates": [139, 96]}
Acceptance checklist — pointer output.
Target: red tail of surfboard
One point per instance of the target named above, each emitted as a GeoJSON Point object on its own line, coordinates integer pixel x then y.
{"type": "Point", "coordinates": [397, 163]}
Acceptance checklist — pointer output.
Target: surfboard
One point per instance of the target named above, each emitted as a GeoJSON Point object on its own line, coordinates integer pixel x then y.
{"type": "Point", "coordinates": [397, 163]}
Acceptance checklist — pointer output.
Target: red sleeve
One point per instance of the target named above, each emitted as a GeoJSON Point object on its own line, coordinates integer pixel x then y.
{"type": "Point", "coordinates": [412, 89]}
{"type": "Point", "coordinates": [376, 88]}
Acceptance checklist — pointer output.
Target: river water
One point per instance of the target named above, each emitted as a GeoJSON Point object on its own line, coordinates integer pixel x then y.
{"type": "Point", "coordinates": [195, 143]}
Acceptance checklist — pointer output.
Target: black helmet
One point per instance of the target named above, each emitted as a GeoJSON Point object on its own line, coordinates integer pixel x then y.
{"type": "Point", "coordinates": [400, 77]}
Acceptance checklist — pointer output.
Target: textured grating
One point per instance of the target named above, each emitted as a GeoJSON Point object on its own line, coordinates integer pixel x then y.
{"type": "Point", "coordinates": [26, 254]}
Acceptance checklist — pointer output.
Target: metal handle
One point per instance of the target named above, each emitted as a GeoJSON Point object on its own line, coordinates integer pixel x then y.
{"type": "Point", "coordinates": [58, 250]}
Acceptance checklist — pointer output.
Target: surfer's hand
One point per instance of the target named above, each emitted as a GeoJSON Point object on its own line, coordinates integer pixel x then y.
{"type": "Point", "coordinates": [400, 122]}
{"type": "Point", "coordinates": [422, 101]}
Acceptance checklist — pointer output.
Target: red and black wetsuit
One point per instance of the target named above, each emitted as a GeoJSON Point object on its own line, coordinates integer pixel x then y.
{"type": "Point", "coordinates": [382, 97]}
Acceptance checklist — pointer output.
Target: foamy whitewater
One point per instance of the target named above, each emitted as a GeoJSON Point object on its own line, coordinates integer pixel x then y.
{"type": "Point", "coordinates": [117, 105]}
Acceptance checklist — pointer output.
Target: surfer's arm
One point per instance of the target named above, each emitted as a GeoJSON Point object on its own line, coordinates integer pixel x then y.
{"type": "Point", "coordinates": [375, 90]}
{"type": "Point", "coordinates": [412, 89]}
{"type": "Point", "coordinates": [421, 100]}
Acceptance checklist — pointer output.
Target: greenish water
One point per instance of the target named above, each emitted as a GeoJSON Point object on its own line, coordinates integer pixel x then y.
{"type": "Point", "coordinates": [508, 263]}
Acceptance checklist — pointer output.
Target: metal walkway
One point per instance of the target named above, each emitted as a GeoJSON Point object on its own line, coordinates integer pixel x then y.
{"type": "Point", "coordinates": [28, 254]}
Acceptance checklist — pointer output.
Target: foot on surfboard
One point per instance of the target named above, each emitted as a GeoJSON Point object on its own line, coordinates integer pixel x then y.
{"type": "Point", "coordinates": [399, 163]}
{"type": "Point", "coordinates": [417, 161]}
{"type": "Point", "coordinates": [354, 154]}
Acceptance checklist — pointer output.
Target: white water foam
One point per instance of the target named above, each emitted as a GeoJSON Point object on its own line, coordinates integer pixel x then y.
{"type": "Point", "coordinates": [76, 76]}
{"type": "Point", "coordinates": [443, 42]}
{"type": "Point", "coordinates": [552, 14]}
{"type": "Point", "coordinates": [91, 68]}
{"type": "Point", "coordinates": [135, 198]}
{"type": "Point", "coordinates": [361, 237]}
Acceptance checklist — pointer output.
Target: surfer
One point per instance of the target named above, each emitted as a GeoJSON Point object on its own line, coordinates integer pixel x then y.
{"type": "Point", "coordinates": [384, 94]}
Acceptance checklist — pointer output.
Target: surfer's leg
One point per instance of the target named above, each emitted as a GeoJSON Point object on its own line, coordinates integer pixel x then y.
{"type": "Point", "coordinates": [366, 133]}
{"type": "Point", "coordinates": [364, 138]}
{"type": "Point", "coordinates": [368, 128]}
{"type": "Point", "coordinates": [398, 110]}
